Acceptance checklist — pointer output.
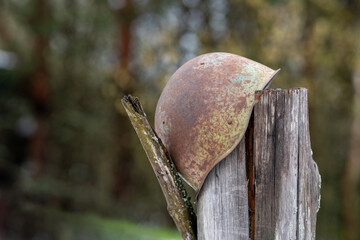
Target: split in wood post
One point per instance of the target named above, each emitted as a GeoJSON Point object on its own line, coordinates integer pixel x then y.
{"type": "Point", "coordinates": [249, 141]}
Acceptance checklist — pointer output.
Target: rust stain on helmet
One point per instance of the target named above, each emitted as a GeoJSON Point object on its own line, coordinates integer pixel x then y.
{"type": "Point", "coordinates": [204, 110]}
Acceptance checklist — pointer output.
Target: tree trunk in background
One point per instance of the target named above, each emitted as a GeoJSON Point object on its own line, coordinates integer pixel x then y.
{"type": "Point", "coordinates": [38, 87]}
{"type": "Point", "coordinates": [124, 17]}
{"type": "Point", "coordinates": [352, 167]}
{"type": "Point", "coordinates": [5, 34]}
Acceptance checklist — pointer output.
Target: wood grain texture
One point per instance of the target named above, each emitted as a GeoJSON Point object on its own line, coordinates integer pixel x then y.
{"type": "Point", "coordinates": [278, 157]}
{"type": "Point", "coordinates": [309, 178]}
{"type": "Point", "coordinates": [222, 208]}
{"type": "Point", "coordinates": [287, 181]}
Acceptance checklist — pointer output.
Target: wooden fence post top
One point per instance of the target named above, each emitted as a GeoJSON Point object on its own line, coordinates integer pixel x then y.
{"type": "Point", "coordinates": [269, 187]}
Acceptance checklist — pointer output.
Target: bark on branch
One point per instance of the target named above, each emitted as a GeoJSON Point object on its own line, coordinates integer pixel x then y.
{"type": "Point", "coordinates": [179, 205]}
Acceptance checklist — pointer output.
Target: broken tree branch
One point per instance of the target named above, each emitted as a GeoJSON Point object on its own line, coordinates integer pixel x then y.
{"type": "Point", "coordinates": [178, 203]}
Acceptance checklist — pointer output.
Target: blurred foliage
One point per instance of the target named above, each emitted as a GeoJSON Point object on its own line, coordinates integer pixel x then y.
{"type": "Point", "coordinates": [65, 141]}
{"type": "Point", "coordinates": [75, 226]}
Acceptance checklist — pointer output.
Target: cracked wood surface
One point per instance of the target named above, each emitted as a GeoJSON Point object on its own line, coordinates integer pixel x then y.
{"type": "Point", "coordinates": [285, 178]}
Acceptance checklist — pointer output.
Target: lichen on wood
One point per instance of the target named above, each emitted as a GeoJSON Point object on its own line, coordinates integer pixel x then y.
{"type": "Point", "coordinates": [178, 202]}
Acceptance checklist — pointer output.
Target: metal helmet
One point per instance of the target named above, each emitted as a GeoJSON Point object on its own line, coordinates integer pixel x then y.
{"type": "Point", "coordinates": [204, 110]}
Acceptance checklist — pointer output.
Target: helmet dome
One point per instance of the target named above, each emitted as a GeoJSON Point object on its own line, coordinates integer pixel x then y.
{"type": "Point", "coordinates": [204, 110]}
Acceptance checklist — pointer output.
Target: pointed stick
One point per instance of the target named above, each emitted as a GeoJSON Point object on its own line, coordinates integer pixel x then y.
{"type": "Point", "coordinates": [178, 203]}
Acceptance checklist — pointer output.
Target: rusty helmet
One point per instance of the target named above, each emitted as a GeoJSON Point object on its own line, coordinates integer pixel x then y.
{"type": "Point", "coordinates": [204, 110]}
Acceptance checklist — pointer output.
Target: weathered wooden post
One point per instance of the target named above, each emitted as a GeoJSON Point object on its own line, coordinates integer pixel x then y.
{"type": "Point", "coordinates": [222, 207]}
{"type": "Point", "coordinates": [269, 186]}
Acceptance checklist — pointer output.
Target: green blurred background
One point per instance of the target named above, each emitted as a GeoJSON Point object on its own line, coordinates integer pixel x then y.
{"type": "Point", "coordinates": [71, 166]}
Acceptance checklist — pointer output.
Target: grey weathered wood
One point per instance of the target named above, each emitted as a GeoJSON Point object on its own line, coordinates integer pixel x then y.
{"type": "Point", "coordinates": [222, 207]}
{"type": "Point", "coordinates": [309, 177]}
{"type": "Point", "coordinates": [287, 181]}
